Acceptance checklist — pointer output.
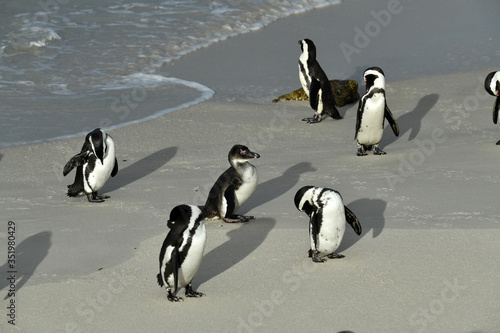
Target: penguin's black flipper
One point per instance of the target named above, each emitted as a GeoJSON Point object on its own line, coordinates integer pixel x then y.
{"type": "Point", "coordinates": [352, 220]}
{"type": "Point", "coordinates": [230, 202]}
{"type": "Point", "coordinates": [359, 114]}
{"type": "Point", "coordinates": [329, 101]}
{"type": "Point", "coordinates": [390, 118]}
{"type": "Point", "coordinates": [175, 266]}
{"type": "Point", "coordinates": [314, 93]}
{"type": "Point", "coordinates": [496, 106]}
{"type": "Point", "coordinates": [160, 280]}
{"type": "Point", "coordinates": [314, 229]}
{"type": "Point", "coordinates": [75, 161]}
{"type": "Point", "coordinates": [115, 168]}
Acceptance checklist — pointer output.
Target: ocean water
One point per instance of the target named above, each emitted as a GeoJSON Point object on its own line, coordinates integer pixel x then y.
{"type": "Point", "coordinates": [69, 66]}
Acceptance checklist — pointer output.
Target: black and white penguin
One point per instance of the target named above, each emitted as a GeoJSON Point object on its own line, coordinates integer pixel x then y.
{"type": "Point", "coordinates": [492, 86]}
{"type": "Point", "coordinates": [182, 251]}
{"type": "Point", "coordinates": [233, 187]}
{"type": "Point", "coordinates": [94, 164]}
{"type": "Point", "coordinates": [316, 84]}
{"type": "Point", "coordinates": [372, 111]}
{"type": "Point", "coordinates": [328, 217]}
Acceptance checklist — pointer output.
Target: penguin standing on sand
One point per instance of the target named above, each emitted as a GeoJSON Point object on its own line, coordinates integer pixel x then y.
{"type": "Point", "coordinates": [182, 251]}
{"type": "Point", "coordinates": [233, 187]}
{"type": "Point", "coordinates": [94, 164]}
{"type": "Point", "coordinates": [492, 86]}
{"type": "Point", "coordinates": [328, 217]}
{"type": "Point", "coordinates": [372, 111]}
{"type": "Point", "coordinates": [316, 84]}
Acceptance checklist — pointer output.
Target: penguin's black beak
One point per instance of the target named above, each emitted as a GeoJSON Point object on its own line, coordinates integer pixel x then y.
{"type": "Point", "coordinates": [253, 155]}
{"type": "Point", "coordinates": [100, 154]}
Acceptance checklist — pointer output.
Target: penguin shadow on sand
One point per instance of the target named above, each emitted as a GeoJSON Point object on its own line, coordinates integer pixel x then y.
{"type": "Point", "coordinates": [410, 121]}
{"type": "Point", "coordinates": [274, 188]}
{"type": "Point", "coordinates": [139, 169]}
{"type": "Point", "coordinates": [242, 242]}
{"type": "Point", "coordinates": [28, 255]}
{"type": "Point", "coordinates": [370, 213]}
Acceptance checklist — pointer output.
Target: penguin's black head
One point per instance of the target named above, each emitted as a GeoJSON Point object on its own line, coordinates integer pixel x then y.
{"type": "Point", "coordinates": [371, 74]}
{"type": "Point", "coordinates": [97, 140]}
{"type": "Point", "coordinates": [307, 45]}
{"type": "Point", "coordinates": [241, 154]}
{"type": "Point", "coordinates": [487, 84]}
{"type": "Point", "coordinates": [370, 80]}
{"type": "Point", "coordinates": [179, 216]}
{"type": "Point", "coordinates": [306, 207]}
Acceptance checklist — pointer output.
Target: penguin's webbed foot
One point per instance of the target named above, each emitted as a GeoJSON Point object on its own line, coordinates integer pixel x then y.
{"type": "Point", "coordinates": [93, 197]}
{"type": "Point", "coordinates": [314, 254]}
{"type": "Point", "coordinates": [238, 218]}
{"type": "Point", "coordinates": [314, 119]}
{"type": "Point", "coordinates": [191, 293]}
{"type": "Point", "coordinates": [361, 151]}
{"type": "Point", "coordinates": [317, 259]}
{"type": "Point", "coordinates": [378, 151]}
{"type": "Point", "coordinates": [335, 256]}
{"type": "Point", "coordinates": [173, 298]}
{"type": "Point", "coordinates": [228, 220]}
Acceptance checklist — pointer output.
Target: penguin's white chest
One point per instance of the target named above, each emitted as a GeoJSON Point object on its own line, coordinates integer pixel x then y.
{"type": "Point", "coordinates": [250, 180]}
{"type": "Point", "coordinates": [372, 120]}
{"type": "Point", "coordinates": [194, 255]}
{"type": "Point", "coordinates": [102, 170]}
{"type": "Point", "coordinates": [304, 76]}
{"type": "Point", "coordinates": [332, 228]}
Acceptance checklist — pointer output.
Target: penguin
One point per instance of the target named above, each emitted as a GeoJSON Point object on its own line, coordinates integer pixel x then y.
{"type": "Point", "coordinates": [233, 187]}
{"type": "Point", "coordinates": [182, 251]}
{"type": "Point", "coordinates": [327, 220]}
{"type": "Point", "coordinates": [492, 86]}
{"type": "Point", "coordinates": [372, 111]}
{"type": "Point", "coordinates": [316, 84]}
{"type": "Point", "coordinates": [94, 164]}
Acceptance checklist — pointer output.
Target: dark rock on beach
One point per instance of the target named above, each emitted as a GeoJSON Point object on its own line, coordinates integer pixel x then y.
{"type": "Point", "coordinates": [345, 92]}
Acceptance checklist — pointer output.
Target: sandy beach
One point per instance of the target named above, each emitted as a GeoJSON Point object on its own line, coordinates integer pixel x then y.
{"type": "Point", "coordinates": [425, 261]}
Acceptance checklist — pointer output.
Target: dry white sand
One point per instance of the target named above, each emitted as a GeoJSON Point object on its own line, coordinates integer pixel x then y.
{"type": "Point", "coordinates": [426, 260]}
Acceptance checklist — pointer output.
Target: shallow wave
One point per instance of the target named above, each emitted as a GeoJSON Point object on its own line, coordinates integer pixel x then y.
{"type": "Point", "coordinates": [123, 106]}
{"type": "Point", "coordinates": [73, 64]}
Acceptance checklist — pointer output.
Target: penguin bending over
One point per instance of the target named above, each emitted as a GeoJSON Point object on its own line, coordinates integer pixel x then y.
{"type": "Point", "coordinates": [316, 84]}
{"type": "Point", "coordinates": [182, 251]}
{"type": "Point", "coordinates": [372, 112]}
{"type": "Point", "coordinates": [94, 164]}
{"type": "Point", "coordinates": [327, 220]}
{"type": "Point", "coordinates": [492, 86]}
{"type": "Point", "coordinates": [233, 187]}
